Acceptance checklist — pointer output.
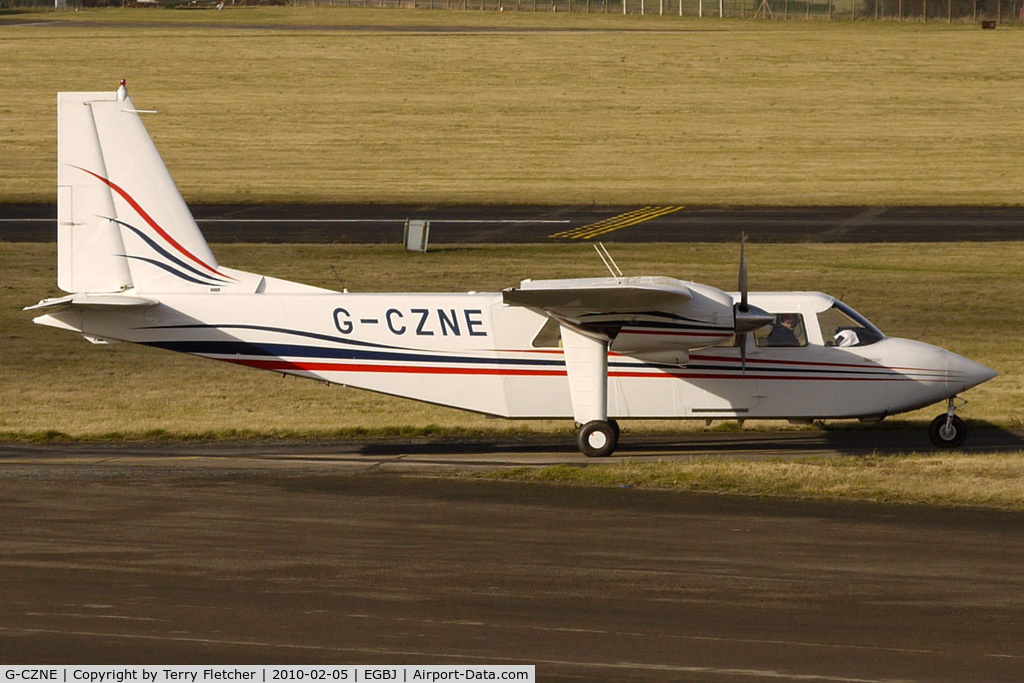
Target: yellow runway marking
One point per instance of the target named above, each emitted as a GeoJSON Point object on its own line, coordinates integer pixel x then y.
{"type": "Point", "coordinates": [586, 232]}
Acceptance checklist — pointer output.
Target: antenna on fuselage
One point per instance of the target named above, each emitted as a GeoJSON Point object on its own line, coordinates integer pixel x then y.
{"type": "Point", "coordinates": [609, 262]}
{"type": "Point", "coordinates": [337, 277]}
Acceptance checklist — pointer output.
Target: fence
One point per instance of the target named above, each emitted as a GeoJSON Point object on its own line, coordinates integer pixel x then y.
{"type": "Point", "coordinates": [928, 10]}
{"type": "Point", "coordinates": [1000, 11]}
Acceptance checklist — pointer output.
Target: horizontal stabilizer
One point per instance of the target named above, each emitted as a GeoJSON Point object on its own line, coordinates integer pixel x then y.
{"type": "Point", "coordinates": [91, 301]}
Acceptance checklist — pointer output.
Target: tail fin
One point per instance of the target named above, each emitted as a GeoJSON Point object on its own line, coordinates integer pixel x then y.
{"type": "Point", "coordinates": [121, 222]}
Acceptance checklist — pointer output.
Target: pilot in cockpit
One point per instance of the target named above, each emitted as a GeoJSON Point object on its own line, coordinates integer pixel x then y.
{"type": "Point", "coordinates": [784, 332]}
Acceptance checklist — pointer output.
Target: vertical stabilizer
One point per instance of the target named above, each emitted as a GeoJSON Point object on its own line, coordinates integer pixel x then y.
{"type": "Point", "coordinates": [89, 247]}
{"type": "Point", "coordinates": [138, 230]}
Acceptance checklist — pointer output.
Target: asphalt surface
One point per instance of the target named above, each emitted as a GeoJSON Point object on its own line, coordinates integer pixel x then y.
{"type": "Point", "coordinates": [431, 455]}
{"type": "Point", "coordinates": [193, 559]}
{"type": "Point", "coordinates": [371, 224]}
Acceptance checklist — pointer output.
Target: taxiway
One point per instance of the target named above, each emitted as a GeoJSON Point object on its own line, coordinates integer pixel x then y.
{"type": "Point", "coordinates": [374, 224]}
{"type": "Point", "coordinates": [113, 560]}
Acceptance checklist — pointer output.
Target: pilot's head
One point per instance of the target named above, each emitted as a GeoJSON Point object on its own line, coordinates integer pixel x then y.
{"type": "Point", "coordinates": [790, 320]}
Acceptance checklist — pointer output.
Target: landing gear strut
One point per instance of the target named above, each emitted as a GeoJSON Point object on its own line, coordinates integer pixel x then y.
{"type": "Point", "coordinates": [948, 430]}
{"type": "Point", "coordinates": [597, 438]}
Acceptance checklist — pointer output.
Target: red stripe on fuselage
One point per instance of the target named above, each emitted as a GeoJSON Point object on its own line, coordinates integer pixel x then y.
{"type": "Point", "coordinates": [767, 361]}
{"type": "Point", "coordinates": [284, 365]}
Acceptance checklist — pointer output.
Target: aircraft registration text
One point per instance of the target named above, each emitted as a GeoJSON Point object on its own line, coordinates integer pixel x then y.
{"type": "Point", "coordinates": [422, 322]}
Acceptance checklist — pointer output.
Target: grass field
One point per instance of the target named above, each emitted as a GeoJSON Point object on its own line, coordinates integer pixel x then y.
{"type": "Point", "coordinates": [675, 111]}
{"type": "Point", "coordinates": [53, 383]}
{"type": "Point", "coordinates": [990, 480]}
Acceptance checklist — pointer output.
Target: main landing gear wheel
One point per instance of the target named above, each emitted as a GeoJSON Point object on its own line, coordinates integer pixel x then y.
{"type": "Point", "coordinates": [597, 438]}
{"type": "Point", "coordinates": [947, 431]}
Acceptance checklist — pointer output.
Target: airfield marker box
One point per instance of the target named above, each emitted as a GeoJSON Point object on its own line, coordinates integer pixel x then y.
{"type": "Point", "coordinates": [416, 233]}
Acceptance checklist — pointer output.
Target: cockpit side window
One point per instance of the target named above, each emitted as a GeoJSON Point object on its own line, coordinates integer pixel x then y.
{"type": "Point", "coordinates": [842, 326]}
{"type": "Point", "coordinates": [787, 330]}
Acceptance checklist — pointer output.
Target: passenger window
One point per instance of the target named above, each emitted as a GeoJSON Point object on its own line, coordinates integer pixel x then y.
{"type": "Point", "coordinates": [787, 330]}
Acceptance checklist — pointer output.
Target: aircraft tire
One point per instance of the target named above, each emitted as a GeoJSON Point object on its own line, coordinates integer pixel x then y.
{"type": "Point", "coordinates": [596, 439]}
{"type": "Point", "coordinates": [615, 428]}
{"type": "Point", "coordinates": [947, 438]}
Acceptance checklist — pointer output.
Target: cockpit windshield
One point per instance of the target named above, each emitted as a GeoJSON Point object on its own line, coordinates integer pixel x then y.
{"type": "Point", "coordinates": [843, 326]}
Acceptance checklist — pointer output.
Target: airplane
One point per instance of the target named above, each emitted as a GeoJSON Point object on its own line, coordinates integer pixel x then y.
{"type": "Point", "coordinates": [137, 269]}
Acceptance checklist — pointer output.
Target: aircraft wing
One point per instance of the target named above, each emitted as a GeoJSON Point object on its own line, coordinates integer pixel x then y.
{"type": "Point", "coordinates": [573, 299]}
{"type": "Point", "coordinates": [657, 319]}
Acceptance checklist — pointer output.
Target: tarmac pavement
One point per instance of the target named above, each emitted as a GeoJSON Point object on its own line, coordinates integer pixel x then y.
{"type": "Point", "coordinates": [373, 224]}
{"type": "Point", "coordinates": [110, 561]}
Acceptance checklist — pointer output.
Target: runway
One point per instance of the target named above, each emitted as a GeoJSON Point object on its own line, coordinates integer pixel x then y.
{"type": "Point", "coordinates": [193, 559]}
{"type": "Point", "coordinates": [374, 224]}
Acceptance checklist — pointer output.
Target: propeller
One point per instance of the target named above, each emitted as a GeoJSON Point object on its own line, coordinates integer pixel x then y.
{"type": "Point", "coordinates": [744, 307]}
{"type": "Point", "coordinates": [746, 318]}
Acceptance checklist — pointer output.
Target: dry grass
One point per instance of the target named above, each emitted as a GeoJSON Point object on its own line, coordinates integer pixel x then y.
{"type": "Point", "coordinates": [53, 382]}
{"type": "Point", "coordinates": [990, 480]}
{"type": "Point", "coordinates": [694, 112]}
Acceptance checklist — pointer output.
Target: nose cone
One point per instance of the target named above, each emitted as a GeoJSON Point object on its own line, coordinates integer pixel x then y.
{"type": "Point", "coordinates": [966, 372]}
{"type": "Point", "coordinates": [939, 373]}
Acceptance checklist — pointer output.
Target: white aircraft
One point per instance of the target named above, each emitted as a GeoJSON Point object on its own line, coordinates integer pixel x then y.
{"type": "Point", "coordinates": [137, 269]}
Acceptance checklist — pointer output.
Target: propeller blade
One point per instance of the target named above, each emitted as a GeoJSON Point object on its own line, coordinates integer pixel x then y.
{"type": "Point", "coordinates": [746, 318]}
{"type": "Point", "coordinates": [743, 273]}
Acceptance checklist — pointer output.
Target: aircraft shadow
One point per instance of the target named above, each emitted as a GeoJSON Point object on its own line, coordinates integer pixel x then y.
{"type": "Point", "coordinates": [765, 444]}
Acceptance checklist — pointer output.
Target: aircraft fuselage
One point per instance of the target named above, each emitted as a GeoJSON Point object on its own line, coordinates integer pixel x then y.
{"type": "Point", "coordinates": [473, 352]}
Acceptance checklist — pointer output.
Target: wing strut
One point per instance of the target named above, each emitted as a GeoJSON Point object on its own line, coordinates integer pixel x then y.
{"type": "Point", "coordinates": [586, 364]}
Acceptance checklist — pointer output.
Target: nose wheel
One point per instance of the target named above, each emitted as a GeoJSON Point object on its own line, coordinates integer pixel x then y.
{"type": "Point", "coordinates": [948, 430]}
{"type": "Point", "coordinates": [598, 439]}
